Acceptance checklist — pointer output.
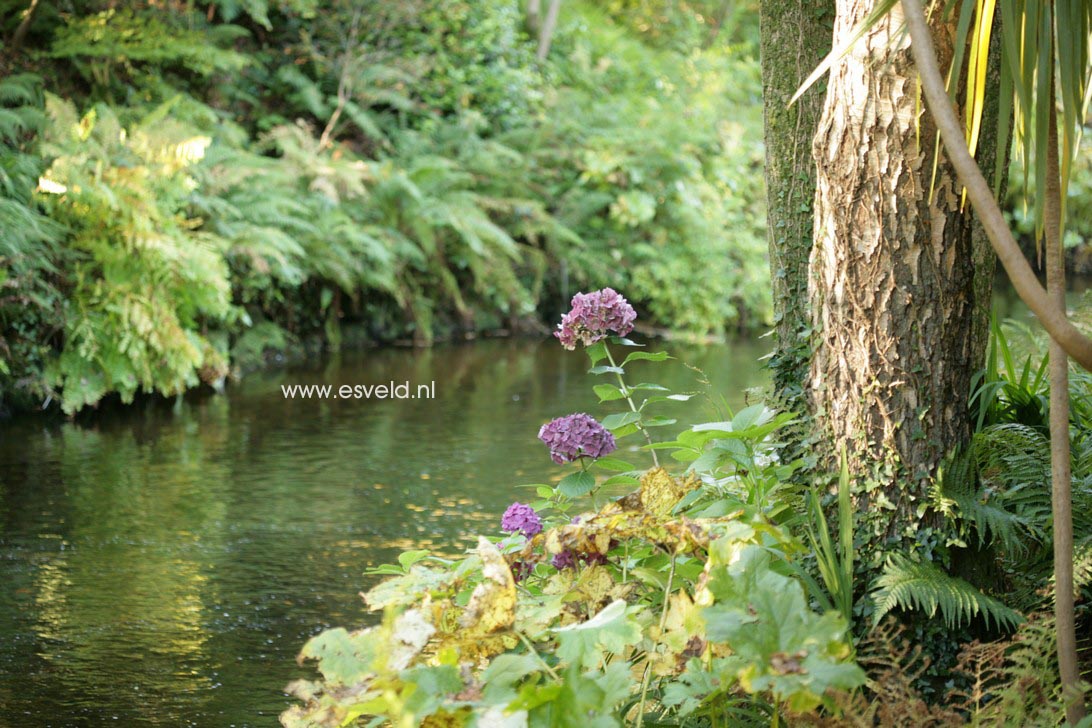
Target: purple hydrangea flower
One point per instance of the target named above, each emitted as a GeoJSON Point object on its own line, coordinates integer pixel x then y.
{"type": "Point", "coordinates": [521, 570]}
{"type": "Point", "coordinates": [563, 560]}
{"type": "Point", "coordinates": [593, 315]}
{"type": "Point", "coordinates": [522, 519]}
{"type": "Point", "coordinates": [574, 435]}
{"type": "Point", "coordinates": [567, 559]}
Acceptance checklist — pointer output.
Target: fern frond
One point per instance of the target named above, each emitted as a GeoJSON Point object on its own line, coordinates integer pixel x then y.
{"type": "Point", "coordinates": [923, 586]}
{"type": "Point", "coordinates": [982, 507]}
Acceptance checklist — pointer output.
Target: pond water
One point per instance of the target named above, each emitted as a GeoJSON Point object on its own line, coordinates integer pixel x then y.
{"type": "Point", "coordinates": [162, 564]}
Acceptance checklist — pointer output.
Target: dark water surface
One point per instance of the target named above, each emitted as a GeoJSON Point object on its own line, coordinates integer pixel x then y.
{"type": "Point", "coordinates": [162, 564]}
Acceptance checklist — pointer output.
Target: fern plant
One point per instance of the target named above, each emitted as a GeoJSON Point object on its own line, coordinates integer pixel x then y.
{"type": "Point", "coordinates": [96, 44]}
{"type": "Point", "coordinates": [30, 251]}
{"type": "Point", "coordinates": [922, 585]}
{"type": "Point", "coordinates": [146, 284]}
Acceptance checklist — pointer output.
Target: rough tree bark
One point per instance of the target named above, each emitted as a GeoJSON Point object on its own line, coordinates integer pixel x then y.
{"type": "Point", "coordinates": [900, 280]}
{"type": "Point", "coordinates": [795, 37]}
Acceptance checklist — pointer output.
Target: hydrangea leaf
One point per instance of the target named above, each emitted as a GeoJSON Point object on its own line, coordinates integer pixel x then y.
{"type": "Point", "coordinates": [577, 484]}
{"type": "Point", "coordinates": [344, 658]}
{"type": "Point", "coordinates": [647, 356]}
{"type": "Point", "coordinates": [621, 419]}
{"type": "Point", "coordinates": [497, 717]}
{"type": "Point", "coordinates": [781, 645]}
{"type": "Point", "coordinates": [660, 493]}
{"type": "Point", "coordinates": [586, 643]}
{"type": "Point", "coordinates": [597, 352]}
{"type": "Point", "coordinates": [492, 605]}
{"type": "Point", "coordinates": [427, 686]}
{"type": "Point", "coordinates": [608, 392]}
{"type": "Point", "coordinates": [613, 464]}
{"type": "Point", "coordinates": [408, 589]}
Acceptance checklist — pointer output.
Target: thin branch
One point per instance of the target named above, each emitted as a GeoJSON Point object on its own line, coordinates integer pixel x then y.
{"type": "Point", "coordinates": [1049, 312]}
{"type": "Point", "coordinates": [1060, 472]}
{"type": "Point", "coordinates": [24, 26]}
{"type": "Point", "coordinates": [344, 84]}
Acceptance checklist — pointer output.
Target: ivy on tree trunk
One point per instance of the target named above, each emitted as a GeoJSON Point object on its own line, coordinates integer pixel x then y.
{"type": "Point", "coordinates": [795, 36]}
{"type": "Point", "coordinates": [900, 275]}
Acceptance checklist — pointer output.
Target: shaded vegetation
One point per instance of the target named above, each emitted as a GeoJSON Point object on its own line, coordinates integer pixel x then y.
{"type": "Point", "coordinates": [189, 186]}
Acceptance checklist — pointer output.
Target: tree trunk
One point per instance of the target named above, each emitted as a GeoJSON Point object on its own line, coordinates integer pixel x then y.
{"type": "Point", "coordinates": [21, 32]}
{"type": "Point", "coordinates": [534, 20]}
{"type": "Point", "coordinates": [795, 37]}
{"type": "Point", "coordinates": [546, 35]}
{"type": "Point", "coordinates": [900, 282]}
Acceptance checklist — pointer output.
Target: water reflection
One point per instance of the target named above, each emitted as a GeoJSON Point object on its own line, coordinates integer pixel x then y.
{"type": "Point", "coordinates": [162, 564]}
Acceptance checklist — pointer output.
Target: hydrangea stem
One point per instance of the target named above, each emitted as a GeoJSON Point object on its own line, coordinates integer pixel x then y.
{"type": "Point", "coordinates": [632, 406]}
{"type": "Point", "coordinates": [648, 662]}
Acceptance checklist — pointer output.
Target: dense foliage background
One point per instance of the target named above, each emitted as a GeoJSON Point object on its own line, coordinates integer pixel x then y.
{"type": "Point", "coordinates": [188, 187]}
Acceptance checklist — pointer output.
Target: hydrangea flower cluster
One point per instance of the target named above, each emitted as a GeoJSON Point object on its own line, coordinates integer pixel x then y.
{"type": "Point", "coordinates": [563, 560]}
{"type": "Point", "coordinates": [520, 518]}
{"type": "Point", "coordinates": [593, 315]}
{"type": "Point", "coordinates": [568, 559]}
{"type": "Point", "coordinates": [574, 435]}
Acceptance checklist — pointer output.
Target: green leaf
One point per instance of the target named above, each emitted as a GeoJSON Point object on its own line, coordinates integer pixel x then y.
{"type": "Point", "coordinates": [658, 421]}
{"type": "Point", "coordinates": [612, 422]}
{"type": "Point", "coordinates": [625, 430]}
{"type": "Point", "coordinates": [646, 356]}
{"type": "Point", "coordinates": [623, 341]}
{"type": "Point", "coordinates": [577, 484]}
{"type": "Point", "coordinates": [344, 658]}
{"type": "Point", "coordinates": [604, 369]}
{"type": "Point", "coordinates": [621, 480]}
{"type": "Point", "coordinates": [614, 464]}
{"type": "Point", "coordinates": [778, 643]}
{"type": "Point", "coordinates": [610, 631]}
{"type": "Point", "coordinates": [649, 386]}
{"type": "Point", "coordinates": [756, 414]}
{"type": "Point", "coordinates": [922, 585]}
{"type": "Point", "coordinates": [597, 352]}
{"type": "Point", "coordinates": [409, 558]}
{"type": "Point", "coordinates": [608, 392]}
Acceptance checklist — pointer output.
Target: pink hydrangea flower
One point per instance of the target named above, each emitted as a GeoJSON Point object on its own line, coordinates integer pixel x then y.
{"type": "Point", "coordinates": [593, 316]}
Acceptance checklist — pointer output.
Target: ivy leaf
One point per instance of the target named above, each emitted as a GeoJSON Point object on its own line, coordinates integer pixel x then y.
{"type": "Point", "coordinates": [577, 484]}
